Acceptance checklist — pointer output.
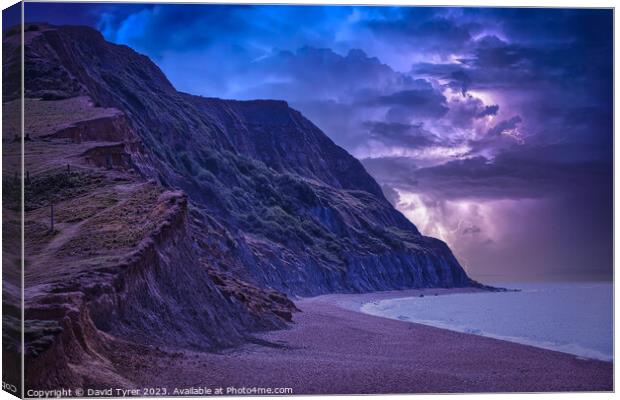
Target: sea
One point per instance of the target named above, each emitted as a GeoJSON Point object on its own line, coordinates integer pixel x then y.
{"type": "Point", "coordinates": [575, 318]}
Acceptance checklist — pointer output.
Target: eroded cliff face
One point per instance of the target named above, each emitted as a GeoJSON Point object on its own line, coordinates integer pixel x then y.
{"type": "Point", "coordinates": [155, 297]}
{"type": "Point", "coordinates": [113, 260]}
{"type": "Point", "coordinates": [181, 221]}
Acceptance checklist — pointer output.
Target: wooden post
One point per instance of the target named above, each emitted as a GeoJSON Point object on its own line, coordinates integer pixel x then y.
{"type": "Point", "coordinates": [68, 168]}
{"type": "Point", "coordinates": [28, 177]}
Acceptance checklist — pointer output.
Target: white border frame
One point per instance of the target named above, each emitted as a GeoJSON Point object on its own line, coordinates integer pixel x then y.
{"type": "Point", "coordinates": [436, 3]}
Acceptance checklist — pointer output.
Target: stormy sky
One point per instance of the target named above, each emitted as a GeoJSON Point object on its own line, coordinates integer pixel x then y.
{"type": "Point", "coordinates": [488, 128]}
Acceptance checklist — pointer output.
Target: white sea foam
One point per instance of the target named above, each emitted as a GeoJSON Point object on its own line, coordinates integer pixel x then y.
{"type": "Point", "coordinates": [574, 318]}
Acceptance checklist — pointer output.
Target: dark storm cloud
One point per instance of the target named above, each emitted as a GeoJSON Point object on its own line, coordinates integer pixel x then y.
{"type": "Point", "coordinates": [533, 213]}
{"type": "Point", "coordinates": [504, 126]}
{"type": "Point", "coordinates": [487, 105]}
{"type": "Point", "coordinates": [407, 135]}
{"type": "Point", "coordinates": [461, 81]}
{"type": "Point", "coordinates": [424, 28]}
{"type": "Point", "coordinates": [546, 25]}
{"type": "Point", "coordinates": [488, 110]}
{"type": "Point", "coordinates": [537, 50]}
{"type": "Point", "coordinates": [503, 134]}
{"type": "Point", "coordinates": [519, 173]}
{"type": "Point", "coordinates": [421, 101]}
{"type": "Point", "coordinates": [340, 92]}
{"type": "Point", "coordinates": [326, 74]}
{"type": "Point", "coordinates": [492, 52]}
{"type": "Point", "coordinates": [492, 64]}
{"type": "Point", "coordinates": [440, 70]}
{"type": "Point", "coordinates": [464, 112]}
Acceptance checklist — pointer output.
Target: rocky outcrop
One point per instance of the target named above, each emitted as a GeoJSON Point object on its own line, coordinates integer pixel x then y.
{"type": "Point", "coordinates": [108, 156]}
{"type": "Point", "coordinates": [103, 129]}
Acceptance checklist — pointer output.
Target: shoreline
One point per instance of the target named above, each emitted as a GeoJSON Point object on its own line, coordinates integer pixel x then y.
{"type": "Point", "coordinates": [348, 300]}
{"type": "Point", "coordinates": [355, 302]}
{"type": "Point", "coordinates": [330, 349]}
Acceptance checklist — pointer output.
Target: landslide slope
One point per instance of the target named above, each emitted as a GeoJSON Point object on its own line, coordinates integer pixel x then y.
{"type": "Point", "coordinates": [114, 266]}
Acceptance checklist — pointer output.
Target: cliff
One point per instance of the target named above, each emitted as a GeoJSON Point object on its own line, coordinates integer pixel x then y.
{"type": "Point", "coordinates": [182, 221]}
